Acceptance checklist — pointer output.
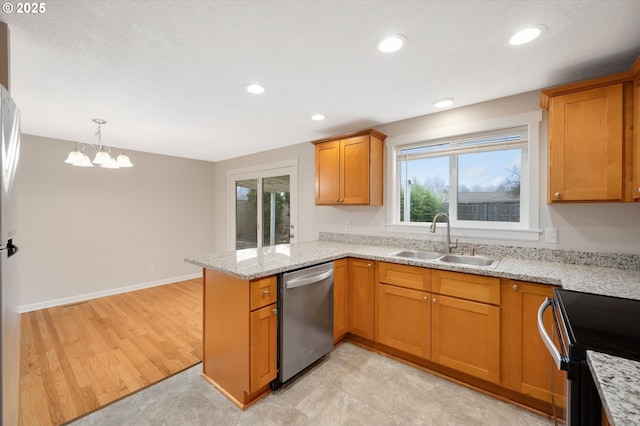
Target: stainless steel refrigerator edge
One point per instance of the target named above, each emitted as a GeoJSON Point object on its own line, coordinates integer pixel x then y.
{"type": "Point", "coordinates": [305, 328]}
{"type": "Point", "coordinates": [9, 279]}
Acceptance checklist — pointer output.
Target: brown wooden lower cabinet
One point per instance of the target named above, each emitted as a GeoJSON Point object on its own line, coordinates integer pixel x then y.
{"type": "Point", "coordinates": [528, 368]}
{"type": "Point", "coordinates": [403, 319]}
{"type": "Point", "coordinates": [465, 336]}
{"type": "Point", "coordinates": [263, 347]}
{"type": "Point", "coordinates": [465, 321]}
{"type": "Point", "coordinates": [476, 329]}
{"type": "Point", "coordinates": [340, 299]}
{"type": "Point", "coordinates": [239, 336]}
{"type": "Point", "coordinates": [361, 297]}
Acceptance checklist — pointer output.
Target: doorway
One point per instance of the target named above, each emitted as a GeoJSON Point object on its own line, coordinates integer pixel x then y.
{"type": "Point", "coordinates": [264, 212]}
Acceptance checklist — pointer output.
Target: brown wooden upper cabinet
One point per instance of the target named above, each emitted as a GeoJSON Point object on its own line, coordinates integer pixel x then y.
{"type": "Point", "coordinates": [349, 169]}
{"type": "Point", "coordinates": [593, 147]}
{"type": "Point", "coordinates": [636, 168]}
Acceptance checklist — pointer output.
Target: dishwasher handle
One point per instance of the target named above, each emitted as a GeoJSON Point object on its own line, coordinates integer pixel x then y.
{"type": "Point", "coordinates": [558, 359]}
{"type": "Point", "coordinates": [300, 282]}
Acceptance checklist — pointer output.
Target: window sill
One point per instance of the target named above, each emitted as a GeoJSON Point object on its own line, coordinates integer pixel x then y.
{"type": "Point", "coordinates": [497, 233]}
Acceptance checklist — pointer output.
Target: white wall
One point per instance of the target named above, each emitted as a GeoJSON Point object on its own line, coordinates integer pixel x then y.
{"type": "Point", "coordinates": [609, 227]}
{"type": "Point", "coordinates": [86, 232]}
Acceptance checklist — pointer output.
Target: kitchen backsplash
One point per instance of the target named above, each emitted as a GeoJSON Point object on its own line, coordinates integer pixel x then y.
{"type": "Point", "coordinates": [608, 260]}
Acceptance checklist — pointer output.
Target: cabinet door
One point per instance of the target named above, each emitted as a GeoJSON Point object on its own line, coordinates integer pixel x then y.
{"type": "Point", "coordinates": [361, 297]}
{"type": "Point", "coordinates": [636, 163]}
{"type": "Point", "coordinates": [529, 366]}
{"type": "Point", "coordinates": [328, 173]}
{"type": "Point", "coordinates": [263, 342]}
{"type": "Point", "coordinates": [403, 319]}
{"type": "Point", "coordinates": [465, 336]}
{"type": "Point", "coordinates": [585, 145]}
{"type": "Point", "coordinates": [354, 170]}
{"type": "Point", "coordinates": [340, 298]}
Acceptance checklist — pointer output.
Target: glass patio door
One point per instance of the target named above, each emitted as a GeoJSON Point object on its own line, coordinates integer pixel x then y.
{"type": "Point", "coordinates": [263, 208]}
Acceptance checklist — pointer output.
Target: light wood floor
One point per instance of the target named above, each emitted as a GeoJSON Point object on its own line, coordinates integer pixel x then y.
{"type": "Point", "coordinates": [79, 357]}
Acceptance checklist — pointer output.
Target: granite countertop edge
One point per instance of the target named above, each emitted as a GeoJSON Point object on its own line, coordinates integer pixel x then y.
{"type": "Point", "coordinates": [618, 386]}
{"type": "Point", "coordinates": [252, 264]}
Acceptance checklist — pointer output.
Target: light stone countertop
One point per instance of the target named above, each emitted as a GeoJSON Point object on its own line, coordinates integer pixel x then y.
{"type": "Point", "coordinates": [250, 264]}
{"type": "Point", "coordinates": [618, 383]}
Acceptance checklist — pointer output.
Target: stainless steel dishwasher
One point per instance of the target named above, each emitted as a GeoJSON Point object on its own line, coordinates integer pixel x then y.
{"type": "Point", "coordinates": [305, 330]}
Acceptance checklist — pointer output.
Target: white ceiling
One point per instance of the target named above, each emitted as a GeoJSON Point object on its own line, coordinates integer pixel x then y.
{"type": "Point", "coordinates": [169, 76]}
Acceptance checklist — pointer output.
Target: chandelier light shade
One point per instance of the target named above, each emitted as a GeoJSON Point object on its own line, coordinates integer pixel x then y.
{"type": "Point", "coordinates": [103, 157]}
{"type": "Point", "coordinates": [123, 161]}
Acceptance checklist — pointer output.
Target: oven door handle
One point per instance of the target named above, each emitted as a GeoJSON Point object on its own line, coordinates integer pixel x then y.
{"type": "Point", "coordinates": [546, 339]}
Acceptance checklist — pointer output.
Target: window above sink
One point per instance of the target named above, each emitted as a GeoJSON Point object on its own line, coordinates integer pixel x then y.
{"type": "Point", "coordinates": [466, 171]}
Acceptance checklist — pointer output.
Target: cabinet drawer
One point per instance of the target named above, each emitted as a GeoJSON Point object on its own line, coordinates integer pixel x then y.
{"type": "Point", "coordinates": [263, 292]}
{"type": "Point", "coordinates": [413, 277]}
{"type": "Point", "coordinates": [467, 286]}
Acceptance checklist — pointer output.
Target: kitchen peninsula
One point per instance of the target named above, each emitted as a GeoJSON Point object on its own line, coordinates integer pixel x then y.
{"type": "Point", "coordinates": [242, 269]}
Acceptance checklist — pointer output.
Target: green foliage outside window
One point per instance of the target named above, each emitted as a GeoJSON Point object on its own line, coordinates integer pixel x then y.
{"type": "Point", "coordinates": [425, 203]}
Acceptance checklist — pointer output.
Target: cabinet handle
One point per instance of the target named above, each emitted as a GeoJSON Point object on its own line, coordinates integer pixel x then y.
{"type": "Point", "coordinates": [368, 265]}
{"type": "Point", "coordinates": [266, 292]}
{"type": "Point", "coordinates": [425, 298]}
{"type": "Point", "coordinates": [275, 310]}
{"type": "Point", "coordinates": [434, 300]}
{"type": "Point", "coordinates": [337, 200]}
{"type": "Point", "coordinates": [515, 287]}
{"type": "Point", "coordinates": [557, 195]}
{"type": "Point", "coordinates": [638, 190]}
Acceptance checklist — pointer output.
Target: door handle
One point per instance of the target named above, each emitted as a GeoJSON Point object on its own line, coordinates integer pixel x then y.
{"type": "Point", "coordinates": [558, 359]}
{"type": "Point", "coordinates": [10, 248]}
{"type": "Point", "coordinates": [310, 280]}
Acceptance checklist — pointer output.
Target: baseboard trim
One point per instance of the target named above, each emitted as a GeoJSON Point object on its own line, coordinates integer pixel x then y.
{"type": "Point", "coordinates": [88, 296]}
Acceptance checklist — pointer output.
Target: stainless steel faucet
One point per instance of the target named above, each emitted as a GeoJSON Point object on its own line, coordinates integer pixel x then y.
{"type": "Point", "coordinates": [447, 239]}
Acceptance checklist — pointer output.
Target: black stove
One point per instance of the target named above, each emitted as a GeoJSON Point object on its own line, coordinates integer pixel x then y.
{"type": "Point", "coordinates": [587, 321]}
{"type": "Point", "coordinates": [601, 323]}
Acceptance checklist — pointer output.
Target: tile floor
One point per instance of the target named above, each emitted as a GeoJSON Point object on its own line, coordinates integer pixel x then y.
{"type": "Point", "coordinates": [353, 386]}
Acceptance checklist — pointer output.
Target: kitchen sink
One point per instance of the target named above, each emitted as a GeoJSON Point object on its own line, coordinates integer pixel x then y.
{"type": "Point", "coordinates": [460, 259]}
{"type": "Point", "coordinates": [417, 254]}
{"type": "Point", "coordinates": [465, 259]}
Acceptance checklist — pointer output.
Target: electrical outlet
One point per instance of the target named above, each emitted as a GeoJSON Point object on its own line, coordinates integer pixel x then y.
{"type": "Point", "coordinates": [152, 269]}
{"type": "Point", "coordinates": [348, 226]}
{"type": "Point", "coordinates": [551, 235]}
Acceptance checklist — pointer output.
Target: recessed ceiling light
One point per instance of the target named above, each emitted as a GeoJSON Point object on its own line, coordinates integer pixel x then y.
{"type": "Point", "coordinates": [255, 88]}
{"type": "Point", "coordinates": [526, 35]}
{"type": "Point", "coordinates": [391, 43]}
{"type": "Point", "coordinates": [443, 103]}
{"type": "Point", "coordinates": [318, 117]}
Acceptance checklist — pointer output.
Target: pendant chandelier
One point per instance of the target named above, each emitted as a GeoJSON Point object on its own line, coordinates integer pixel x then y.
{"type": "Point", "coordinates": [103, 157]}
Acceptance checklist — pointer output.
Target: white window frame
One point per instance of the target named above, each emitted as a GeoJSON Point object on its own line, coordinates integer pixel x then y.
{"type": "Point", "coordinates": [281, 168]}
{"type": "Point", "coordinates": [528, 227]}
